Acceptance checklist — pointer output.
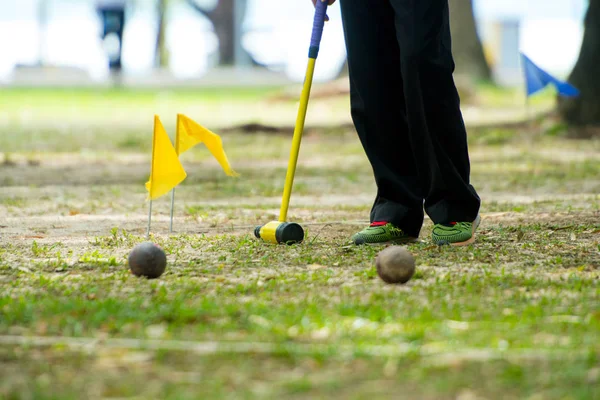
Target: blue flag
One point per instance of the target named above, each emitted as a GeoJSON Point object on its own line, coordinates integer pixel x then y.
{"type": "Point", "coordinates": [537, 79]}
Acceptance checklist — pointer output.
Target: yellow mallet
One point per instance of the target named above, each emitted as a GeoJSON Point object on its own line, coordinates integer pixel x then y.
{"type": "Point", "coordinates": [289, 232]}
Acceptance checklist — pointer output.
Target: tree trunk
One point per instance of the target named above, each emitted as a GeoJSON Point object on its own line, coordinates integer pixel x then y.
{"type": "Point", "coordinates": [466, 47]}
{"type": "Point", "coordinates": [584, 111]}
{"type": "Point", "coordinates": [161, 51]}
{"type": "Point", "coordinates": [223, 19]}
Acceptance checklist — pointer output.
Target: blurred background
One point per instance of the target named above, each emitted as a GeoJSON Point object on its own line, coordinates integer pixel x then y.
{"type": "Point", "coordinates": [63, 41]}
{"type": "Point", "coordinates": [91, 73]}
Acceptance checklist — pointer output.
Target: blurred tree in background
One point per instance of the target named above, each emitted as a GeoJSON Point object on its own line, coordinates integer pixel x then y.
{"type": "Point", "coordinates": [466, 44]}
{"type": "Point", "coordinates": [583, 113]}
{"type": "Point", "coordinates": [161, 51]}
{"type": "Point", "coordinates": [226, 17]}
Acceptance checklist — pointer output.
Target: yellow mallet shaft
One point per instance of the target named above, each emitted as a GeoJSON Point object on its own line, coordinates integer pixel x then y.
{"type": "Point", "coordinates": [289, 179]}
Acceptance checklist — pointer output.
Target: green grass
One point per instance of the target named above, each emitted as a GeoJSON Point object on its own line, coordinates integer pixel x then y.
{"type": "Point", "coordinates": [177, 375]}
{"type": "Point", "coordinates": [515, 316]}
{"type": "Point", "coordinates": [499, 96]}
{"type": "Point", "coordinates": [38, 121]}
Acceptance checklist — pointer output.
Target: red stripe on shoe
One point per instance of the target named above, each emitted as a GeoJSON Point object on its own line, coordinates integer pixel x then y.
{"type": "Point", "coordinates": [379, 223]}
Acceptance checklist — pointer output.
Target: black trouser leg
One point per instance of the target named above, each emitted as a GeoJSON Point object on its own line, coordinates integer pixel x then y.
{"type": "Point", "coordinates": [438, 133]}
{"type": "Point", "coordinates": [377, 107]}
{"type": "Point", "coordinates": [415, 136]}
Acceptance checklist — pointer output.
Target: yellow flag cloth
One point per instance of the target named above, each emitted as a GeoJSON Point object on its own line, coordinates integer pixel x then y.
{"type": "Point", "coordinates": [166, 170]}
{"type": "Point", "coordinates": [190, 133]}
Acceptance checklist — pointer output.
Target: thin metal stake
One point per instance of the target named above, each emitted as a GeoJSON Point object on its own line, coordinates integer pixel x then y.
{"type": "Point", "coordinates": [149, 220]}
{"type": "Point", "coordinates": [172, 207]}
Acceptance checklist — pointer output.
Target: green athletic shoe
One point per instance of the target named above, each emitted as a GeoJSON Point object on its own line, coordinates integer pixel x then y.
{"type": "Point", "coordinates": [381, 232]}
{"type": "Point", "coordinates": [455, 234]}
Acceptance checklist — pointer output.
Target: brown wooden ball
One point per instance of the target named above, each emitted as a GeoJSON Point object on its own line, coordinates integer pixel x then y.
{"type": "Point", "coordinates": [395, 264]}
{"type": "Point", "coordinates": [148, 260]}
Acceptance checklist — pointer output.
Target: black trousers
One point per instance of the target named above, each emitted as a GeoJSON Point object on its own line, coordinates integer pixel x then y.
{"type": "Point", "coordinates": [406, 111]}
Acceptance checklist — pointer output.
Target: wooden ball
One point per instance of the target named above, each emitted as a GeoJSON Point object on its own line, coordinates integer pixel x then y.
{"type": "Point", "coordinates": [148, 260]}
{"type": "Point", "coordinates": [395, 264]}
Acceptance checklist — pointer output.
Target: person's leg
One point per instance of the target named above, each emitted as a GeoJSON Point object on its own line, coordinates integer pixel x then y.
{"type": "Point", "coordinates": [378, 112]}
{"type": "Point", "coordinates": [437, 131]}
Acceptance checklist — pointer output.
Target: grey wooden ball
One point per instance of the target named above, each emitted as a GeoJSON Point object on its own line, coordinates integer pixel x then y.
{"type": "Point", "coordinates": [395, 264]}
{"type": "Point", "coordinates": [148, 260]}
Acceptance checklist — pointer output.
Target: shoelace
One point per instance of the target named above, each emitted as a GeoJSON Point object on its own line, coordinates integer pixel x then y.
{"type": "Point", "coordinates": [396, 230]}
{"type": "Point", "coordinates": [392, 228]}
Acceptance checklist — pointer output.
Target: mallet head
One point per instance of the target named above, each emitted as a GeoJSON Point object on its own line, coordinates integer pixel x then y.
{"type": "Point", "coordinates": [280, 232]}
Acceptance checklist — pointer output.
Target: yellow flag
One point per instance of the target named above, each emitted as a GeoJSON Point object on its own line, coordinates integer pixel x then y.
{"type": "Point", "coordinates": [166, 170]}
{"type": "Point", "coordinates": [190, 133]}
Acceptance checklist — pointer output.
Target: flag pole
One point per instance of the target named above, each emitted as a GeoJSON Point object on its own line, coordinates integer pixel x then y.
{"type": "Point", "coordinates": [149, 220]}
{"type": "Point", "coordinates": [528, 114]}
{"type": "Point", "coordinates": [528, 117]}
{"type": "Point", "coordinates": [529, 121]}
{"type": "Point", "coordinates": [172, 207]}
{"type": "Point", "coordinates": [151, 176]}
{"type": "Point", "coordinates": [173, 191]}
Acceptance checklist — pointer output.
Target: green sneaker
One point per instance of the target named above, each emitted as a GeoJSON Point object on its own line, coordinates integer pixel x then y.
{"type": "Point", "coordinates": [381, 232]}
{"type": "Point", "coordinates": [455, 234]}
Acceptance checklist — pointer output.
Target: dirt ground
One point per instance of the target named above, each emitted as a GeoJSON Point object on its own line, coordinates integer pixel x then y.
{"type": "Point", "coordinates": [515, 313]}
{"type": "Point", "coordinates": [73, 198]}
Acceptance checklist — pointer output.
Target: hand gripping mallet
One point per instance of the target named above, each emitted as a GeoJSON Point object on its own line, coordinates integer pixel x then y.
{"type": "Point", "coordinates": [278, 232]}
